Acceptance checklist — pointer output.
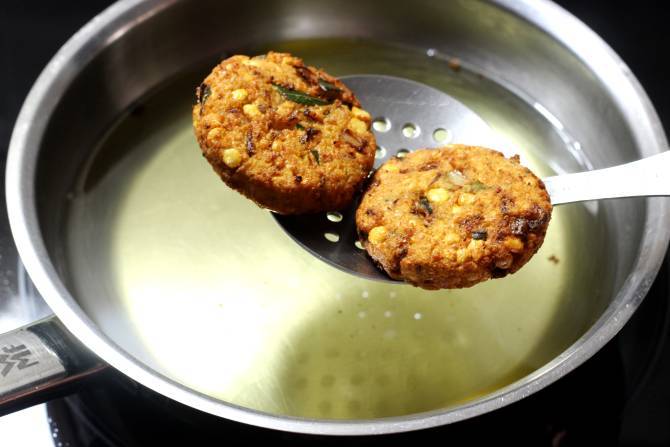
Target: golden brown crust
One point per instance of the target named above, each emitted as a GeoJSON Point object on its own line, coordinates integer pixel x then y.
{"type": "Point", "coordinates": [453, 217]}
{"type": "Point", "coordinates": [267, 143]}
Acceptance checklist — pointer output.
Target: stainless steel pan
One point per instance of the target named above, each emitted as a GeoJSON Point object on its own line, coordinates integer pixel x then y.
{"type": "Point", "coordinates": [533, 50]}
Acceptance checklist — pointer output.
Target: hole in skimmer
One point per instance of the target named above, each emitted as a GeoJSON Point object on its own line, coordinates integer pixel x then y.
{"type": "Point", "coordinates": [411, 130]}
{"type": "Point", "coordinates": [381, 124]}
{"type": "Point", "coordinates": [443, 136]}
{"type": "Point", "coordinates": [402, 153]}
{"type": "Point", "coordinates": [332, 237]}
{"type": "Point", "coordinates": [334, 216]}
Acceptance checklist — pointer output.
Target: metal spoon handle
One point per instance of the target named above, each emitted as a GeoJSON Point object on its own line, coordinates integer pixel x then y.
{"type": "Point", "coordinates": [647, 177]}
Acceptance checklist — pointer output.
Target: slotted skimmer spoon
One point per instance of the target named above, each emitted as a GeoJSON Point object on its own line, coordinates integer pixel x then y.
{"type": "Point", "coordinates": [408, 115]}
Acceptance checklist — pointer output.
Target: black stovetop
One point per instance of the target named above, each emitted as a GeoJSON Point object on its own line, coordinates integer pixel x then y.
{"type": "Point", "coordinates": [619, 397]}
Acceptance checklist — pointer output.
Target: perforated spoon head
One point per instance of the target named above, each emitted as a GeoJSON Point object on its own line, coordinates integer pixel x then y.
{"type": "Point", "coordinates": [407, 115]}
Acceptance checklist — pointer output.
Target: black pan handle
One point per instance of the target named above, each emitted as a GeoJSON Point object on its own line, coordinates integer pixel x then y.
{"type": "Point", "coordinates": [41, 361]}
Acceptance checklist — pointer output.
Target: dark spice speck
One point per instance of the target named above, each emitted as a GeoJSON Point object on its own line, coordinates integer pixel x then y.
{"type": "Point", "coordinates": [425, 205]}
{"type": "Point", "coordinates": [479, 235]}
{"type": "Point", "coordinates": [519, 226]}
{"type": "Point", "coordinates": [315, 153]}
{"type": "Point", "coordinates": [309, 135]}
{"type": "Point", "coordinates": [251, 149]}
{"type": "Point", "coordinates": [203, 93]}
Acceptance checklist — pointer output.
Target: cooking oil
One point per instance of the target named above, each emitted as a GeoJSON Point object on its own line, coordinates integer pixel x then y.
{"type": "Point", "coordinates": [204, 286]}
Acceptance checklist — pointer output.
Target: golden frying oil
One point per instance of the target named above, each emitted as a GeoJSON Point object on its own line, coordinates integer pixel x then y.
{"type": "Point", "coordinates": [203, 285]}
